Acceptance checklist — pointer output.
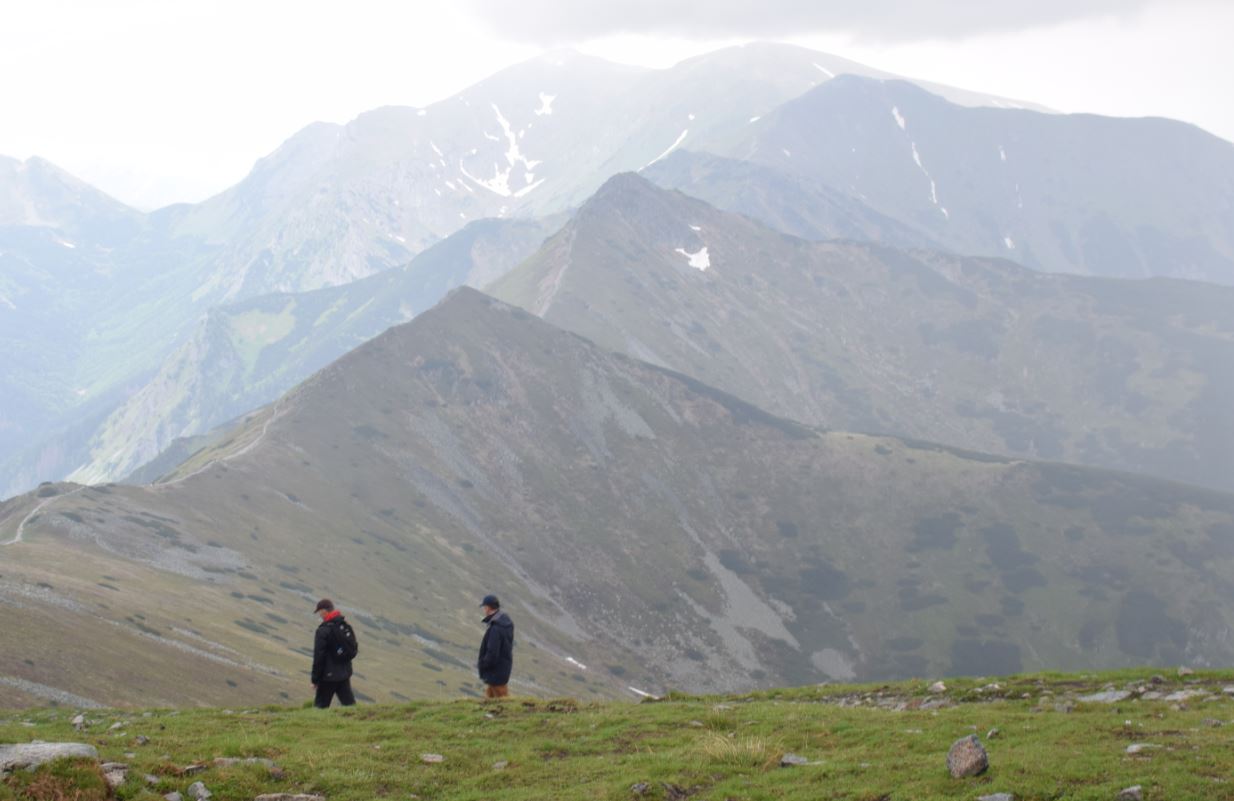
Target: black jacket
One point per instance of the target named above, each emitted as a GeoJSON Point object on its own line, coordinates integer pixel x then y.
{"type": "Point", "coordinates": [327, 666]}
{"type": "Point", "coordinates": [497, 650]}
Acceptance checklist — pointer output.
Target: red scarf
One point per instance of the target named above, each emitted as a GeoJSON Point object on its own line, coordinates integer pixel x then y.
{"type": "Point", "coordinates": [333, 614]}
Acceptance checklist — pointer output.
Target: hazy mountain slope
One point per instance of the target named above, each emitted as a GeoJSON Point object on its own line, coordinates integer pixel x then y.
{"type": "Point", "coordinates": [780, 200]}
{"type": "Point", "coordinates": [1066, 193]}
{"type": "Point", "coordinates": [91, 297]}
{"type": "Point", "coordinates": [973, 352]}
{"type": "Point", "coordinates": [340, 202]}
{"type": "Point", "coordinates": [246, 354]}
{"type": "Point", "coordinates": [636, 521]}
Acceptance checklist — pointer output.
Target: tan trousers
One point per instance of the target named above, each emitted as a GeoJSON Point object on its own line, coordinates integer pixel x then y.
{"type": "Point", "coordinates": [496, 691]}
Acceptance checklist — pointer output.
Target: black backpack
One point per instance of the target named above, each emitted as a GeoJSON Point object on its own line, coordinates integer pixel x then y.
{"type": "Point", "coordinates": [343, 641]}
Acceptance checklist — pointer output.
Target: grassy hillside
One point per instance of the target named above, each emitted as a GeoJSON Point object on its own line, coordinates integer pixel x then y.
{"type": "Point", "coordinates": [639, 523]}
{"type": "Point", "coordinates": [860, 743]}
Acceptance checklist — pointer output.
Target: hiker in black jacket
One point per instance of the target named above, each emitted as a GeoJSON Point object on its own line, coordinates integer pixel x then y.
{"type": "Point", "coordinates": [496, 649]}
{"type": "Point", "coordinates": [334, 645]}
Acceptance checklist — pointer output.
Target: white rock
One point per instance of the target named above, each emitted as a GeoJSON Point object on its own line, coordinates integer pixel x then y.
{"type": "Point", "coordinates": [31, 755]}
{"type": "Point", "coordinates": [938, 687]}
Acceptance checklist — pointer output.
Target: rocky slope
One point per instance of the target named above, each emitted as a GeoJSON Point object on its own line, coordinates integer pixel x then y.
{"type": "Point", "coordinates": [646, 530]}
{"type": "Point", "coordinates": [1075, 193]}
{"type": "Point", "coordinates": [978, 353]}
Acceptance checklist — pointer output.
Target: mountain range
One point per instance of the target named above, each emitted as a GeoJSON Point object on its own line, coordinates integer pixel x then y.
{"type": "Point", "coordinates": [98, 301]}
{"type": "Point", "coordinates": [975, 352]}
{"type": "Point", "coordinates": [648, 532]}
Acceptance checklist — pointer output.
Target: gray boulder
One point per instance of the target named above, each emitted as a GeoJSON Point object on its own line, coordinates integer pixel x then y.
{"type": "Point", "coordinates": [996, 797]}
{"type": "Point", "coordinates": [198, 791]}
{"type": "Point", "coordinates": [1135, 793]}
{"type": "Point", "coordinates": [967, 757]}
{"type": "Point", "coordinates": [31, 755]}
{"type": "Point", "coordinates": [289, 797]}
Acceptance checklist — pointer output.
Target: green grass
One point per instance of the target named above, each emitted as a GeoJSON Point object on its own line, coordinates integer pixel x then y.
{"type": "Point", "coordinates": [859, 745]}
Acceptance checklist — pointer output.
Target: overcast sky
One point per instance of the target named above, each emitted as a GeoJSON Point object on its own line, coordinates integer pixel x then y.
{"type": "Point", "coordinates": [166, 101]}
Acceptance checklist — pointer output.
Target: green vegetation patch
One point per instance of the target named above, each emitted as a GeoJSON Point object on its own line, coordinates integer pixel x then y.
{"type": "Point", "coordinates": [858, 742]}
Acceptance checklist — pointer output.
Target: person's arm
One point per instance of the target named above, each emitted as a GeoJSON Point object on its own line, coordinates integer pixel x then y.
{"type": "Point", "coordinates": [488, 653]}
{"type": "Point", "coordinates": [319, 654]}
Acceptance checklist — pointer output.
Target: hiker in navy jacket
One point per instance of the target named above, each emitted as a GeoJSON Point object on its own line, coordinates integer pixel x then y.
{"type": "Point", "coordinates": [496, 649]}
{"type": "Point", "coordinates": [331, 666]}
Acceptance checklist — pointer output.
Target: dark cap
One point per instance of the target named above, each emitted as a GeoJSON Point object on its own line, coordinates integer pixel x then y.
{"type": "Point", "coordinates": [326, 604]}
{"type": "Point", "coordinates": [491, 600]}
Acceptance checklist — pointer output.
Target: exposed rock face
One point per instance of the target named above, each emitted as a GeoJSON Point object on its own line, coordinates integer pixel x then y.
{"type": "Point", "coordinates": [32, 755]}
{"type": "Point", "coordinates": [967, 757]}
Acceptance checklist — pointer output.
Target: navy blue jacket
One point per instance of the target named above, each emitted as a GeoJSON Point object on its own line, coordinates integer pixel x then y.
{"type": "Point", "coordinates": [497, 650]}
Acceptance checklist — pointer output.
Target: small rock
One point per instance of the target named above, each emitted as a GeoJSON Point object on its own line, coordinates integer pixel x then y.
{"type": "Point", "coordinates": [1139, 748]}
{"type": "Point", "coordinates": [967, 757]}
{"type": "Point", "coordinates": [142, 740]}
{"type": "Point", "coordinates": [1185, 695]}
{"type": "Point", "coordinates": [115, 726]}
{"type": "Point", "coordinates": [992, 733]}
{"type": "Point", "coordinates": [115, 773]}
{"type": "Point", "coordinates": [1227, 690]}
{"type": "Point", "coordinates": [1152, 695]}
{"type": "Point", "coordinates": [193, 770]}
{"type": "Point", "coordinates": [640, 788]}
{"type": "Point", "coordinates": [996, 797]}
{"type": "Point", "coordinates": [432, 758]}
{"type": "Point", "coordinates": [938, 687]}
{"type": "Point", "coordinates": [79, 722]}
{"type": "Point", "coordinates": [1065, 707]}
{"type": "Point", "coordinates": [502, 765]}
{"type": "Point", "coordinates": [698, 724]}
{"type": "Point", "coordinates": [1135, 793]}
{"type": "Point", "coordinates": [1157, 679]}
{"type": "Point", "coordinates": [151, 779]}
{"type": "Point", "coordinates": [1185, 671]}
{"type": "Point", "coordinates": [1212, 723]}
{"type": "Point", "coordinates": [292, 797]}
{"type": "Point", "coordinates": [789, 760]}
{"type": "Point", "coordinates": [173, 797]}
{"type": "Point", "coordinates": [198, 791]}
{"type": "Point", "coordinates": [1107, 697]}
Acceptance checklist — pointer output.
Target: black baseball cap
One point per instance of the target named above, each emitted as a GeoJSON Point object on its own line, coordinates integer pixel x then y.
{"type": "Point", "coordinates": [326, 604]}
{"type": "Point", "coordinates": [491, 600]}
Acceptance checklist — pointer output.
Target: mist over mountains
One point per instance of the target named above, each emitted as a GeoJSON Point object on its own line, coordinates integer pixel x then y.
{"type": "Point", "coordinates": [783, 361]}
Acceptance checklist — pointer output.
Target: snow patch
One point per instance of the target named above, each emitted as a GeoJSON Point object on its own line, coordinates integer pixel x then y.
{"type": "Point", "coordinates": [7, 302]}
{"type": "Point", "coordinates": [399, 238]}
{"type": "Point", "coordinates": [546, 105]}
{"type": "Point", "coordinates": [68, 245]}
{"type": "Point", "coordinates": [451, 185]}
{"type": "Point", "coordinates": [933, 186]}
{"type": "Point", "coordinates": [641, 694]}
{"type": "Point", "coordinates": [1009, 242]}
{"type": "Point", "coordinates": [691, 117]}
{"type": "Point", "coordinates": [670, 149]}
{"type": "Point", "coordinates": [421, 112]}
{"type": "Point", "coordinates": [824, 70]}
{"type": "Point", "coordinates": [436, 149]}
{"type": "Point", "coordinates": [499, 184]}
{"type": "Point", "coordinates": [899, 118]}
{"type": "Point", "coordinates": [755, 118]}
{"type": "Point", "coordinates": [695, 228]}
{"type": "Point", "coordinates": [491, 138]}
{"type": "Point", "coordinates": [787, 153]}
{"type": "Point", "coordinates": [576, 663]}
{"type": "Point", "coordinates": [699, 260]}
{"type": "Point", "coordinates": [1002, 154]}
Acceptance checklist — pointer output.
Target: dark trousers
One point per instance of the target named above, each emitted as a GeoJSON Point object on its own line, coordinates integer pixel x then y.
{"type": "Point", "coordinates": [328, 689]}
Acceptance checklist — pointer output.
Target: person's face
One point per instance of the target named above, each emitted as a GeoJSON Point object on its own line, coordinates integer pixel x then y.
{"type": "Point", "coordinates": [488, 610]}
{"type": "Point", "coordinates": [321, 613]}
